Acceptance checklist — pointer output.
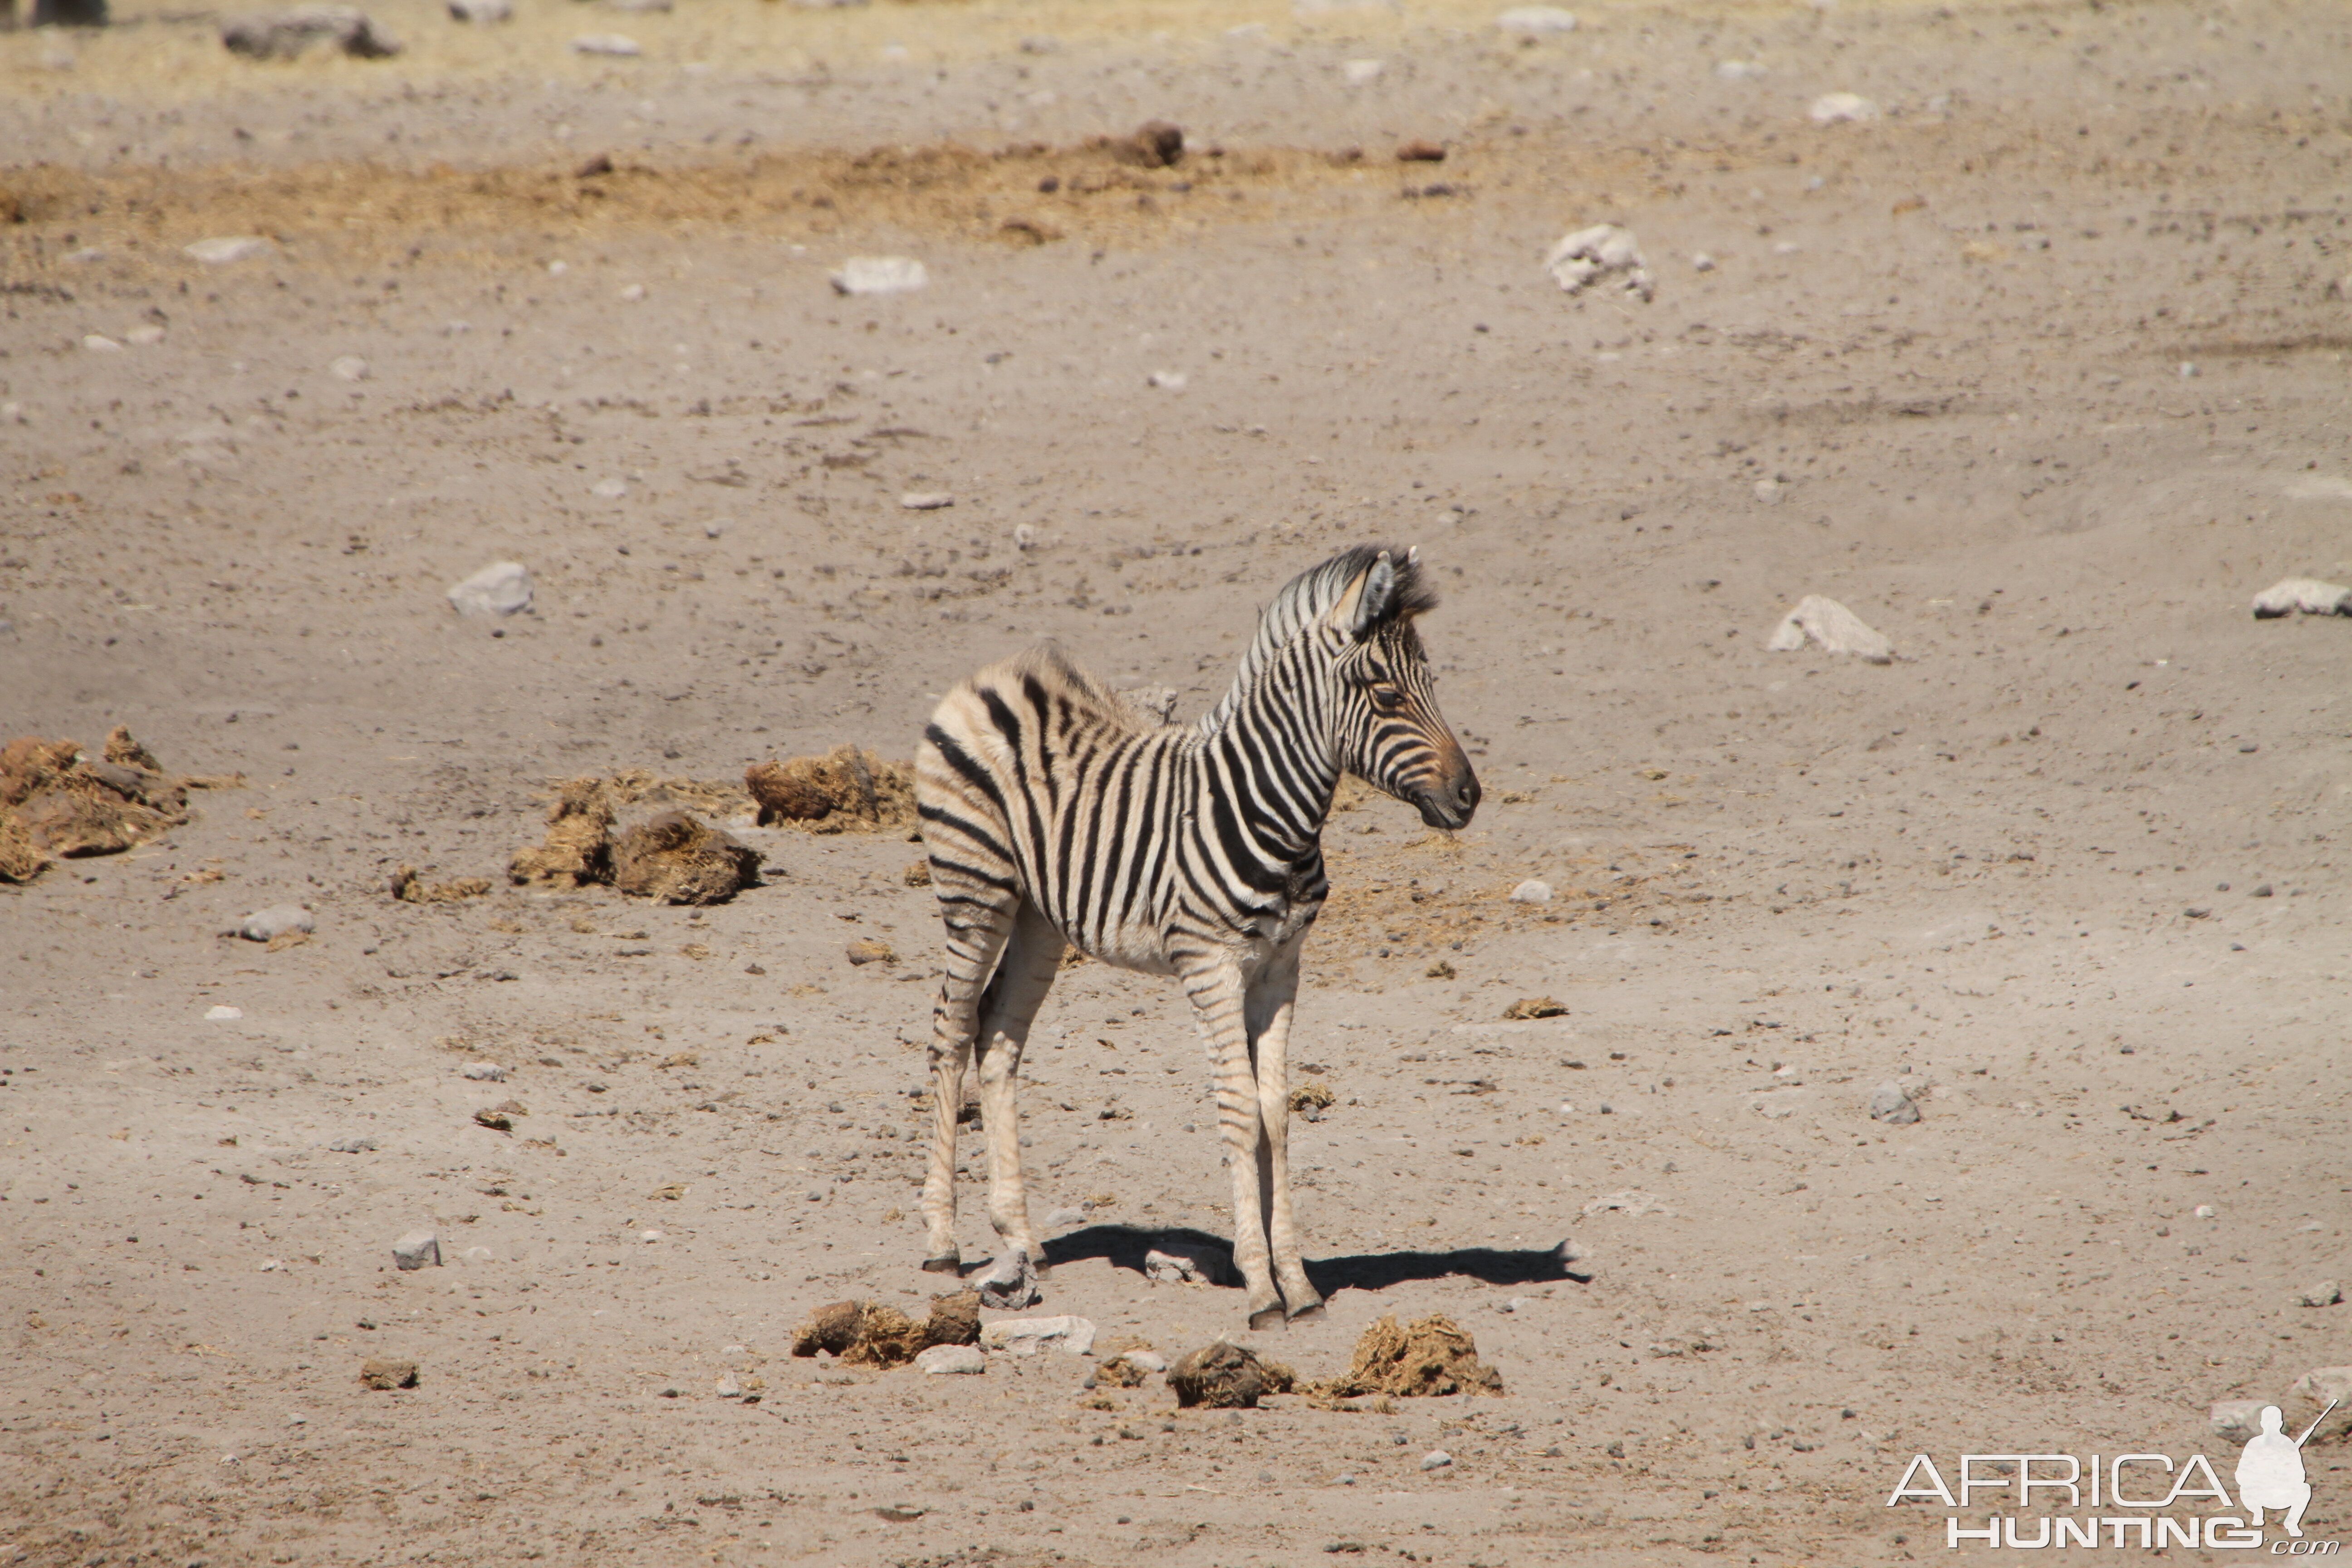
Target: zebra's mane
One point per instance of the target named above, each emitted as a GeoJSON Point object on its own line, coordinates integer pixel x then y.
{"type": "Point", "coordinates": [1308, 597]}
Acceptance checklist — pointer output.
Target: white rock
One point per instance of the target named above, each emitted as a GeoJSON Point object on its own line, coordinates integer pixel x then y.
{"type": "Point", "coordinates": [1531, 891]}
{"type": "Point", "coordinates": [262, 925]}
{"type": "Point", "coordinates": [1026, 536]}
{"type": "Point", "coordinates": [1537, 21]}
{"type": "Point", "coordinates": [498, 589]}
{"type": "Point", "coordinates": [1357, 72]}
{"type": "Point", "coordinates": [2308, 594]}
{"type": "Point", "coordinates": [353, 1146]}
{"type": "Point", "coordinates": [633, 292]}
{"type": "Point", "coordinates": [2326, 1293]}
{"type": "Point", "coordinates": [1702, 262]}
{"type": "Point", "coordinates": [272, 1265]}
{"type": "Point", "coordinates": [880, 275]}
{"type": "Point", "coordinates": [1768, 491]}
{"type": "Point", "coordinates": [1148, 1362]}
{"type": "Point", "coordinates": [2238, 1418]}
{"type": "Point", "coordinates": [1831, 107]}
{"type": "Point", "coordinates": [2322, 1384]}
{"type": "Point", "coordinates": [729, 1387]}
{"type": "Point", "coordinates": [1834, 629]}
{"type": "Point", "coordinates": [417, 1249]}
{"type": "Point", "coordinates": [1604, 250]}
{"type": "Point", "coordinates": [100, 343]}
{"type": "Point", "coordinates": [925, 500]}
{"type": "Point", "coordinates": [1027, 1336]}
{"type": "Point", "coordinates": [481, 13]}
{"type": "Point", "coordinates": [951, 1358]}
{"type": "Point", "coordinates": [606, 43]}
{"type": "Point", "coordinates": [2204, 1211]}
{"type": "Point", "coordinates": [222, 1012]}
{"type": "Point", "coordinates": [225, 248]}
{"type": "Point", "coordinates": [1169, 380]}
{"type": "Point", "coordinates": [610, 488]}
{"type": "Point", "coordinates": [1738, 70]}
{"type": "Point", "coordinates": [348, 367]}
{"type": "Point", "coordinates": [484, 1073]}
{"type": "Point", "coordinates": [144, 336]}
{"type": "Point", "coordinates": [1890, 1104]}
{"type": "Point", "coordinates": [1436, 1459]}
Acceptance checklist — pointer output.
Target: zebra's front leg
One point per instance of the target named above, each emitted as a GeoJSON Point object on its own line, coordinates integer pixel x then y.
{"type": "Point", "coordinates": [1271, 1003]}
{"type": "Point", "coordinates": [1024, 974]}
{"type": "Point", "coordinates": [1220, 1001]}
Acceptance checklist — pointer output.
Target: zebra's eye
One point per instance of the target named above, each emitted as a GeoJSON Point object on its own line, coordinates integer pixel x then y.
{"type": "Point", "coordinates": [1386, 698]}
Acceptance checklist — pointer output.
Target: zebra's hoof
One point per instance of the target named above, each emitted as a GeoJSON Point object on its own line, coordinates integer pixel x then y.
{"type": "Point", "coordinates": [1310, 1313]}
{"type": "Point", "coordinates": [946, 1263]}
{"type": "Point", "coordinates": [1267, 1317]}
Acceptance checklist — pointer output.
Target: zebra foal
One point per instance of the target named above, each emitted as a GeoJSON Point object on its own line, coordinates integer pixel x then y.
{"type": "Point", "coordinates": [1054, 814]}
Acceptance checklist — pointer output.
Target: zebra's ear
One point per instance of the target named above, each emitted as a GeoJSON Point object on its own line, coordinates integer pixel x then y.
{"type": "Point", "coordinates": [1366, 599]}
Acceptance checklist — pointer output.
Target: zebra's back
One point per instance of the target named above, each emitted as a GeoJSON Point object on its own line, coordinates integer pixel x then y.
{"type": "Point", "coordinates": [1036, 780]}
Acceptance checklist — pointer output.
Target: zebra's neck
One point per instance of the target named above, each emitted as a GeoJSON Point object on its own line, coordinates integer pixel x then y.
{"type": "Point", "coordinates": [1267, 753]}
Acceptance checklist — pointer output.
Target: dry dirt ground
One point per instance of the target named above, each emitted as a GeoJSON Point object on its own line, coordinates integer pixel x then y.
{"type": "Point", "coordinates": [2040, 372]}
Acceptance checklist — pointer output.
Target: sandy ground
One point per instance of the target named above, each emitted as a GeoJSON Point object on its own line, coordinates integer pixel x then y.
{"type": "Point", "coordinates": [2039, 371]}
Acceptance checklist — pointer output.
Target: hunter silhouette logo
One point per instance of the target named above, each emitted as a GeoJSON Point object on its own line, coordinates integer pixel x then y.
{"type": "Point", "coordinates": [2143, 1491]}
{"type": "Point", "coordinates": [2270, 1471]}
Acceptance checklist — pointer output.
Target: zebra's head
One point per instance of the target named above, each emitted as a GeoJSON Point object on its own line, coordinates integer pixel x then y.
{"type": "Point", "coordinates": [1385, 719]}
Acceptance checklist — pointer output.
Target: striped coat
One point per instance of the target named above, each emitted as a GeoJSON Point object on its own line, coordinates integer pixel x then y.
{"type": "Point", "coordinates": [1056, 814]}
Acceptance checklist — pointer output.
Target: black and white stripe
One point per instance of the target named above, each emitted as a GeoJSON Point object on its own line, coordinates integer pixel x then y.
{"type": "Point", "coordinates": [1054, 813]}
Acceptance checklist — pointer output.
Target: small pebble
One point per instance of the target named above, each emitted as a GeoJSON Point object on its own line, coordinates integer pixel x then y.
{"type": "Point", "coordinates": [1889, 1103]}
{"type": "Point", "coordinates": [2203, 1211]}
{"type": "Point", "coordinates": [606, 43]}
{"type": "Point", "coordinates": [1531, 891]}
{"type": "Point", "coordinates": [951, 1359]}
{"type": "Point", "coordinates": [1836, 108]}
{"type": "Point", "coordinates": [500, 588]}
{"type": "Point", "coordinates": [484, 1073]}
{"type": "Point", "coordinates": [610, 488]}
{"type": "Point", "coordinates": [98, 343]}
{"type": "Point", "coordinates": [880, 275]}
{"type": "Point", "coordinates": [223, 1012]}
{"type": "Point", "coordinates": [418, 1249]}
{"type": "Point", "coordinates": [925, 500]}
{"type": "Point", "coordinates": [1167, 380]}
{"type": "Point", "coordinates": [1436, 1459]}
{"type": "Point", "coordinates": [265, 925]}
{"type": "Point", "coordinates": [353, 1146]}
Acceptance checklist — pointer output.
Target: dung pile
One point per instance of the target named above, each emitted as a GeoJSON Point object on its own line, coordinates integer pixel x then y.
{"type": "Point", "coordinates": [844, 790]}
{"type": "Point", "coordinates": [57, 804]}
{"type": "Point", "coordinates": [1435, 1356]}
{"type": "Point", "coordinates": [679, 859]}
{"type": "Point", "coordinates": [1226, 1376]}
{"type": "Point", "coordinates": [672, 856]}
{"type": "Point", "coordinates": [868, 1334]}
{"type": "Point", "coordinates": [410, 888]}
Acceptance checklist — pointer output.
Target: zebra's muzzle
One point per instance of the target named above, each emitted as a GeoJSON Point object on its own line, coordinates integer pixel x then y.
{"type": "Point", "coordinates": [1449, 806]}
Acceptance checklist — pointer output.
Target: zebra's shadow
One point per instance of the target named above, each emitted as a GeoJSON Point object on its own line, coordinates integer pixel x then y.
{"type": "Point", "coordinates": [1124, 1246]}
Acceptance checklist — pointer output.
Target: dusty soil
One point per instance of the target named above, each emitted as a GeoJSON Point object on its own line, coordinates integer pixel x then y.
{"type": "Point", "coordinates": [2040, 372]}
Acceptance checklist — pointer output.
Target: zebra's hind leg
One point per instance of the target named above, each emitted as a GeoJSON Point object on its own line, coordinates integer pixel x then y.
{"type": "Point", "coordinates": [1024, 974]}
{"type": "Point", "coordinates": [980, 921]}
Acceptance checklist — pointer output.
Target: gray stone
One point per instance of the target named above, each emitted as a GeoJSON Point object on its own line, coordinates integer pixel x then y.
{"type": "Point", "coordinates": [481, 13]}
{"type": "Point", "coordinates": [2323, 1383]}
{"type": "Point", "coordinates": [614, 44]}
{"type": "Point", "coordinates": [1436, 1459]}
{"type": "Point", "coordinates": [264, 925]}
{"type": "Point", "coordinates": [1831, 627]}
{"type": "Point", "coordinates": [1531, 891]}
{"type": "Point", "coordinates": [880, 275]}
{"type": "Point", "coordinates": [285, 34]}
{"type": "Point", "coordinates": [1889, 1103]}
{"type": "Point", "coordinates": [2326, 1293]}
{"type": "Point", "coordinates": [728, 1386]}
{"type": "Point", "coordinates": [1028, 1336]}
{"type": "Point", "coordinates": [2307, 594]}
{"type": "Point", "coordinates": [353, 1146]}
{"type": "Point", "coordinates": [2238, 1418]}
{"type": "Point", "coordinates": [484, 1073]}
{"type": "Point", "coordinates": [221, 249]}
{"type": "Point", "coordinates": [1009, 1284]}
{"type": "Point", "coordinates": [1836, 108]}
{"type": "Point", "coordinates": [348, 367]}
{"type": "Point", "coordinates": [498, 589]}
{"type": "Point", "coordinates": [1537, 21]}
{"type": "Point", "coordinates": [951, 1358]}
{"type": "Point", "coordinates": [1604, 250]}
{"type": "Point", "coordinates": [925, 500]}
{"type": "Point", "coordinates": [417, 1249]}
